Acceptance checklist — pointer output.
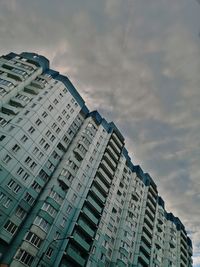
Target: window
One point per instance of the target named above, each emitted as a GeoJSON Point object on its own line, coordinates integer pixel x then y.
{"type": "Point", "coordinates": [2, 137]}
{"type": "Point", "coordinates": [52, 138]}
{"type": "Point", "coordinates": [10, 227]}
{"type": "Point", "coordinates": [64, 112]}
{"type": "Point", "coordinates": [63, 123]}
{"type": "Point", "coordinates": [57, 235]}
{"type": "Point", "coordinates": [63, 222]}
{"type": "Point", "coordinates": [44, 114]}
{"type": "Point", "coordinates": [29, 199]}
{"type": "Point", "coordinates": [3, 122]}
{"type": "Point", "coordinates": [31, 130]}
{"type": "Point", "coordinates": [36, 186]}
{"type": "Point", "coordinates": [42, 141]}
{"type": "Point", "coordinates": [48, 133]}
{"type": "Point", "coordinates": [7, 202]}
{"type": "Point", "coordinates": [49, 252]}
{"type": "Point", "coordinates": [26, 112]}
{"type": "Point", "coordinates": [25, 177]}
{"type": "Point", "coordinates": [24, 257]}
{"type": "Point", "coordinates": [21, 213]}
{"type": "Point", "coordinates": [59, 118]}
{"type": "Point", "coordinates": [42, 223]}
{"type": "Point", "coordinates": [15, 148]}
{"type": "Point", "coordinates": [27, 160]}
{"type": "Point", "coordinates": [57, 130]}
{"type": "Point", "coordinates": [40, 155]}
{"type": "Point", "coordinates": [50, 209]}
{"type": "Point", "coordinates": [55, 101]}
{"type": "Point", "coordinates": [69, 208]}
{"type": "Point", "coordinates": [56, 197]}
{"type": "Point", "coordinates": [11, 183]}
{"type": "Point", "coordinates": [24, 138]}
{"type": "Point", "coordinates": [35, 150]}
{"type": "Point", "coordinates": [46, 146]}
{"type": "Point", "coordinates": [38, 122]}
{"type": "Point", "coordinates": [33, 165]}
{"type": "Point", "coordinates": [2, 195]}
{"type": "Point", "coordinates": [33, 239]}
{"type": "Point", "coordinates": [78, 187]}
{"type": "Point", "coordinates": [16, 189]}
{"type": "Point", "coordinates": [54, 125]}
{"type": "Point", "coordinates": [6, 159]}
{"type": "Point", "coordinates": [50, 107]}
{"type": "Point", "coordinates": [74, 197]}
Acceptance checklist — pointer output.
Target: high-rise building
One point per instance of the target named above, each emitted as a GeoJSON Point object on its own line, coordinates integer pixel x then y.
{"type": "Point", "coordinates": [69, 193]}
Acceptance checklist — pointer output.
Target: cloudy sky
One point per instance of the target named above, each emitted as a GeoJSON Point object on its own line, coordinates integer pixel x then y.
{"type": "Point", "coordinates": [138, 63]}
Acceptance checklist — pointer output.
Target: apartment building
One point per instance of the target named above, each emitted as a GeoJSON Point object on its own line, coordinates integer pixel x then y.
{"type": "Point", "coordinates": [69, 192]}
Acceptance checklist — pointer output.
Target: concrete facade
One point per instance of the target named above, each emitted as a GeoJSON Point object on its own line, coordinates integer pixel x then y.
{"type": "Point", "coordinates": [69, 193]}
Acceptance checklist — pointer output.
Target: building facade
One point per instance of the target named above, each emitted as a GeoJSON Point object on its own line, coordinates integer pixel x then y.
{"type": "Point", "coordinates": [69, 193]}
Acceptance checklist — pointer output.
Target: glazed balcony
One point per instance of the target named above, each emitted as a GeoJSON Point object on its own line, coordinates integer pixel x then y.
{"type": "Point", "coordinates": [75, 256]}
{"type": "Point", "coordinates": [104, 176]}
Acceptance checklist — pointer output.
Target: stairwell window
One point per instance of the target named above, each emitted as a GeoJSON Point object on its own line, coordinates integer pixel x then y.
{"type": "Point", "coordinates": [33, 239]}
{"type": "Point", "coordinates": [49, 252]}
{"type": "Point", "coordinates": [10, 227]}
{"type": "Point", "coordinates": [24, 257]}
{"type": "Point", "coordinates": [7, 159]}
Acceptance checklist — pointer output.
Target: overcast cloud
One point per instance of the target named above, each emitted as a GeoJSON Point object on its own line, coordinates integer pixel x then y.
{"type": "Point", "coordinates": [138, 63]}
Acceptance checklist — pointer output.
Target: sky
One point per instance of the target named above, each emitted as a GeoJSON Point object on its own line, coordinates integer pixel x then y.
{"type": "Point", "coordinates": [137, 62]}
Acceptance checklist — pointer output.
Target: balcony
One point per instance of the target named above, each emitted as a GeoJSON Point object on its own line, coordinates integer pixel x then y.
{"type": "Point", "coordinates": [8, 109]}
{"type": "Point", "coordinates": [63, 145]}
{"type": "Point", "coordinates": [148, 222]}
{"type": "Point", "coordinates": [85, 227]}
{"type": "Point", "coordinates": [75, 256]}
{"type": "Point", "coordinates": [110, 161]}
{"type": "Point", "coordinates": [107, 168]}
{"type": "Point", "coordinates": [90, 216]}
{"type": "Point", "coordinates": [151, 206]}
{"type": "Point", "coordinates": [17, 102]}
{"type": "Point", "coordinates": [143, 259]}
{"type": "Point", "coordinates": [64, 183]}
{"type": "Point", "coordinates": [79, 153]}
{"type": "Point", "coordinates": [153, 191]}
{"type": "Point", "coordinates": [104, 176]}
{"type": "Point", "coordinates": [117, 140]}
{"type": "Point", "coordinates": [31, 90]}
{"type": "Point", "coordinates": [146, 248]}
{"type": "Point", "coordinates": [38, 84]}
{"type": "Point", "coordinates": [120, 263]}
{"type": "Point", "coordinates": [152, 198]}
{"type": "Point", "coordinates": [158, 242]}
{"type": "Point", "coordinates": [101, 185]}
{"type": "Point", "coordinates": [172, 243]}
{"type": "Point", "coordinates": [146, 237]}
{"type": "Point", "coordinates": [94, 204]}
{"type": "Point", "coordinates": [81, 242]}
{"type": "Point", "coordinates": [115, 147]}
{"type": "Point", "coordinates": [159, 227]}
{"type": "Point", "coordinates": [160, 219]}
{"type": "Point", "coordinates": [112, 153]}
{"type": "Point", "coordinates": [150, 214]}
{"type": "Point", "coordinates": [97, 194]}
{"type": "Point", "coordinates": [148, 228]}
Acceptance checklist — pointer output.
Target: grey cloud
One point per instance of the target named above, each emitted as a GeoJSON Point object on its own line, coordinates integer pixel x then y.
{"type": "Point", "coordinates": [137, 61]}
